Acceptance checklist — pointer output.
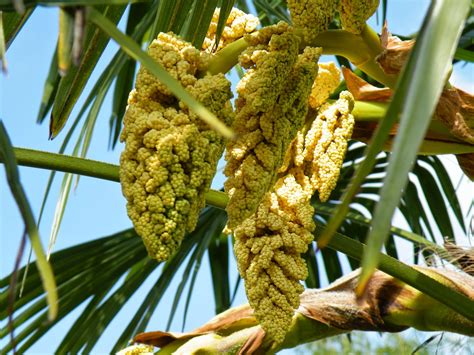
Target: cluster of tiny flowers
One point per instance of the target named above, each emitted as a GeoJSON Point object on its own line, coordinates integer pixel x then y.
{"type": "Point", "coordinates": [314, 16]}
{"type": "Point", "coordinates": [270, 109]}
{"type": "Point", "coordinates": [328, 79]}
{"type": "Point", "coordinates": [325, 144]}
{"type": "Point", "coordinates": [138, 349]}
{"type": "Point", "coordinates": [170, 155]}
{"type": "Point", "coordinates": [268, 245]}
{"type": "Point", "coordinates": [267, 248]}
{"type": "Point", "coordinates": [238, 24]}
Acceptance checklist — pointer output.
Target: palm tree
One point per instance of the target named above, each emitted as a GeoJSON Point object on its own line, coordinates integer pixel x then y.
{"type": "Point", "coordinates": [104, 273]}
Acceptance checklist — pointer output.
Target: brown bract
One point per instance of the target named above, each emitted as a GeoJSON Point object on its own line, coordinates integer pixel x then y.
{"type": "Point", "coordinates": [453, 120]}
{"type": "Point", "coordinates": [395, 53]}
{"type": "Point", "coordinates": [362, 90]}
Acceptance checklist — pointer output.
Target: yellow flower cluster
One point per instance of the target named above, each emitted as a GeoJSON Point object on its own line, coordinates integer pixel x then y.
{"type": "Point", "coordinates": [271, 107]}
{"type": "Point", "coordinates": [138, 349]}
{"type": "Point", "coordinates": [354, 14]}
{"type": "Point", "coordinates": [325, 144]}
{"type": "Point", "coordinates": [268, 245]}
{"type": "Point", "coordinates": [238, 24]}
{"type": "Point", "coordinates": [170, 155]}
{"type": "Point", "coordinates": [314, 16]}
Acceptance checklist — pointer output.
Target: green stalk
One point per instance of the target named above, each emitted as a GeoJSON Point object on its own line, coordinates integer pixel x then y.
{"type": "Point", "coordinates": [361, 50]}
{"type": "Point", "coordinates": [65, 163]}
{"type": "Point", "coordinates": [88, 167]}
{"type": "Point", "coordinates": [368, 111]}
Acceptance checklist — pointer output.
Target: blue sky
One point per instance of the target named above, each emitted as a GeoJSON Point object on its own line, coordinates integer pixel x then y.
{"type": "Point", "coordinates": [96, 208]}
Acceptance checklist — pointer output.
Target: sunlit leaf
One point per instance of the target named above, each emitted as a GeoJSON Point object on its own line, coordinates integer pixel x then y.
{"type": "Point", "coordinates": [125, 77]}
{"type": "Point", "coordinates": [72, 85]}
{"type": "Point", "coordinates": [219, 267]}
{"type": "Point", "coordinates": [65, 39]}
{"type": "Point", "coordinates": [50, 89]}
{"type": "Point", "coordinates": [3, 49]}
{"type": "Point", "coordinates": [8, 5]}
{"type": "Point", "coordinates": [217, 225]}
{"type": "Point", "coordinates": [225, 9]}
{"type": "Point", "coordinates": [312, 281]}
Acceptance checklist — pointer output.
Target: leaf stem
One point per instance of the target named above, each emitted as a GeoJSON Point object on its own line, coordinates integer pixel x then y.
{"type": "Point", "coordinates": [422, 282]}
{"type": "Point", "coordinates": [219, 199]}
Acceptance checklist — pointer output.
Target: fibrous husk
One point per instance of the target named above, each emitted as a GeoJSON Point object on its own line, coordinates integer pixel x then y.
{"type": "Point", "coordinates": [456, 110]}
{"type": "Point", "coordinates": [389, 305]}
{"type": "Point", "coordinates": [464, 257]}
{"type": "Point", "coordinates": [466, 162]}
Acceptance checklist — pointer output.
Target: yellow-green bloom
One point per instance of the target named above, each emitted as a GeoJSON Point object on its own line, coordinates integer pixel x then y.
{"type": "Point", "coordinates": [312, 16]}
{"type": "Point", "coordinates": [328, 79]}
{"type": "Point", "coordinates": [268, 244]}
{"type": "Point", "coordinates": [170, 155]}
{"type": "Point", "coordinates": [355, 13]}
{"type": "Point", "coordinates": [238, 24]}
{"type": "Point", "coordinates": [326, 143]}
{"type": "Point", "coordinates": [138, 349]}
{"type": "Point", "coordinates": [271, 107]}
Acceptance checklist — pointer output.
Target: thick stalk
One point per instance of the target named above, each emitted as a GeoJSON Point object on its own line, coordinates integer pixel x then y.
{"type": "Point", "coordinates": [361, 50]}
